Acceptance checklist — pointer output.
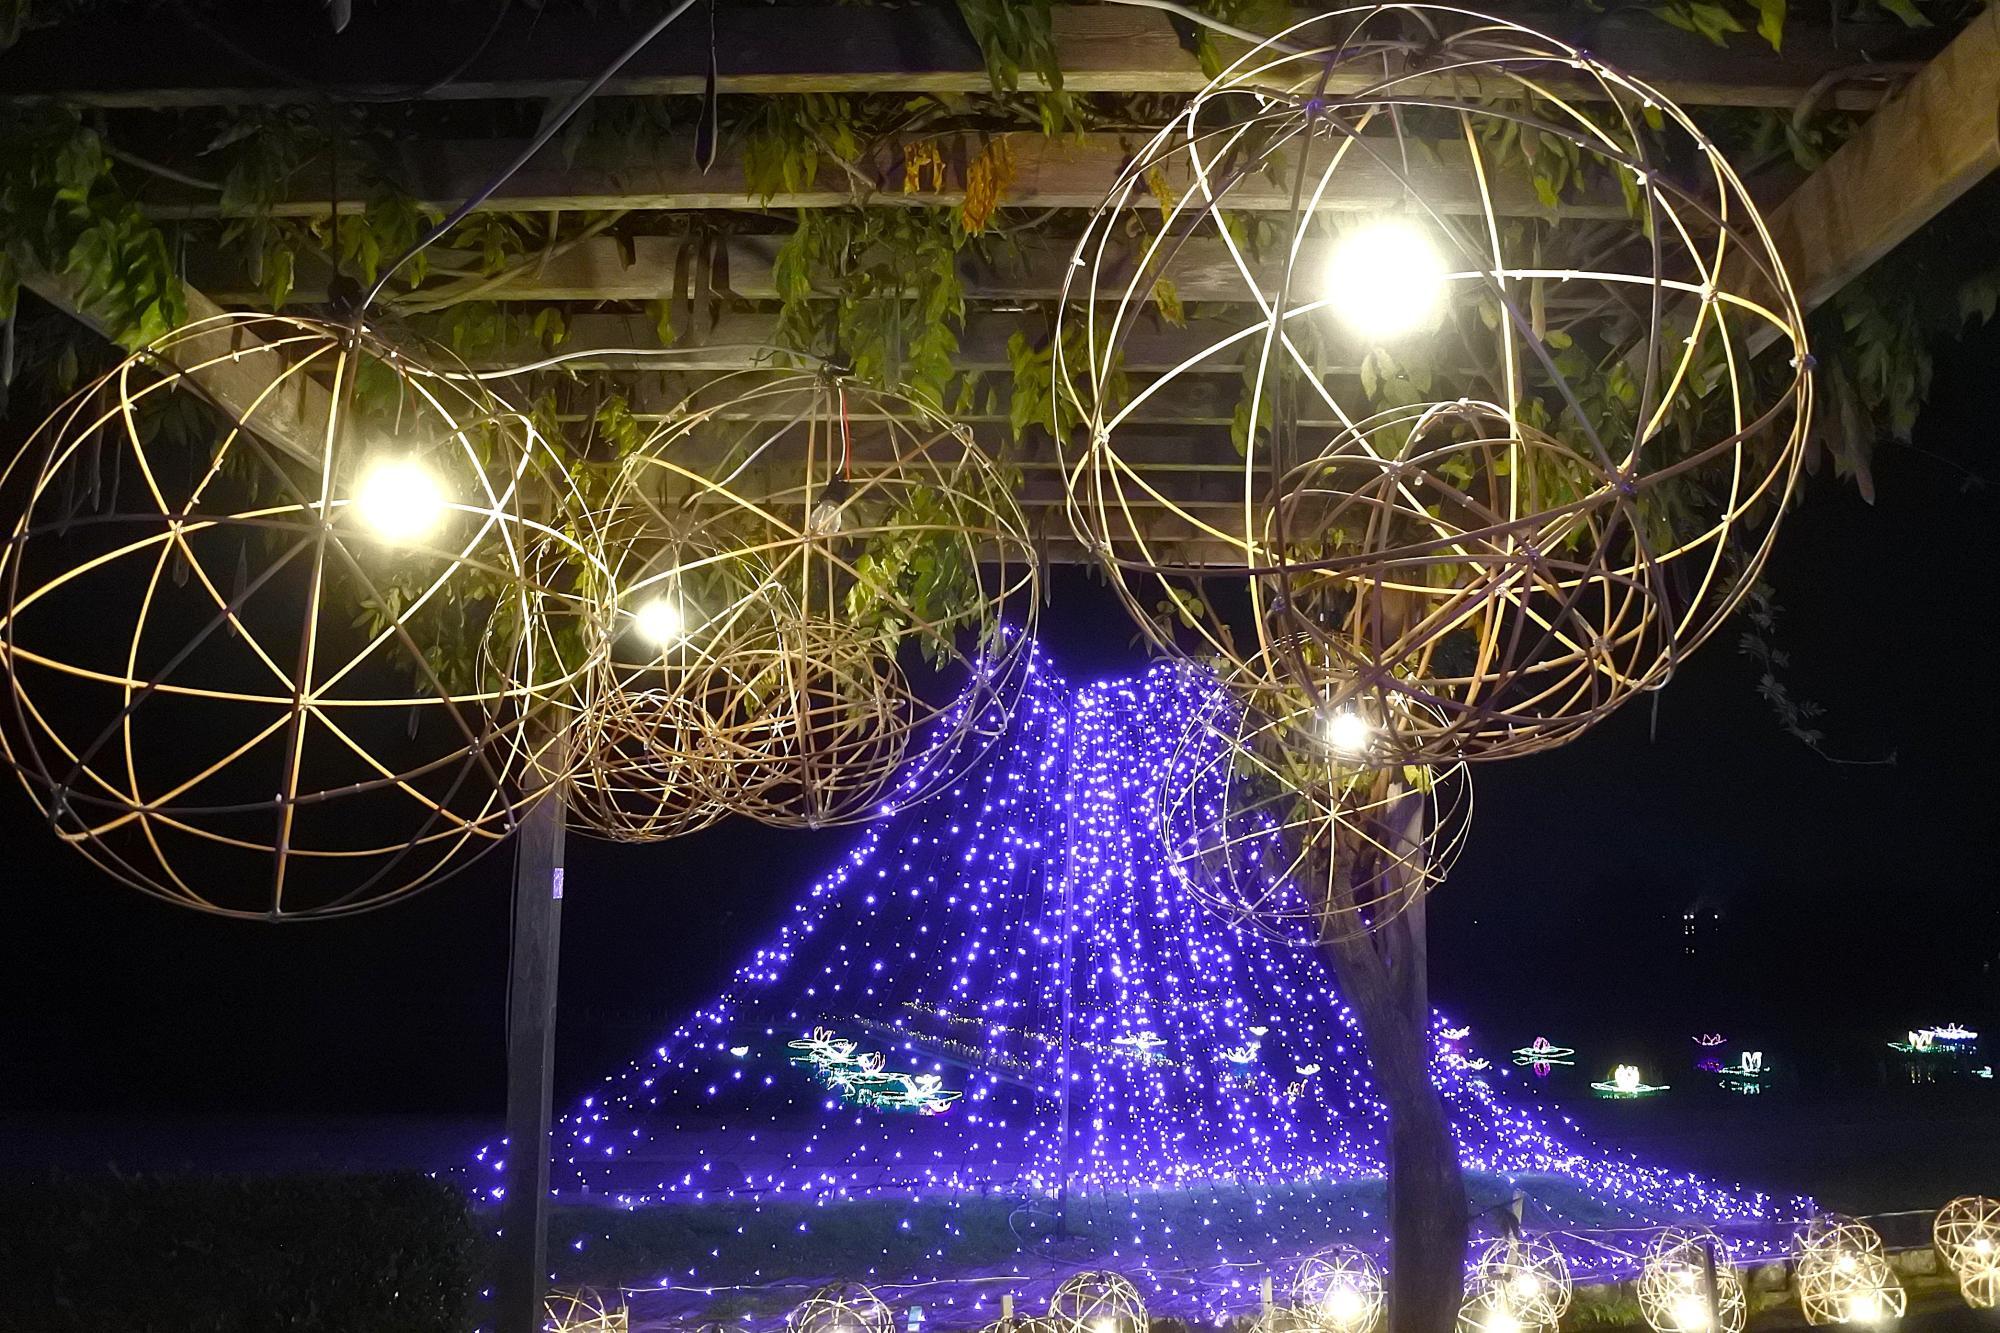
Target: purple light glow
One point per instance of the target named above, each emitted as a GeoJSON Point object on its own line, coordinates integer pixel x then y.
{"type": "Point", "coordinates": [966, 938]}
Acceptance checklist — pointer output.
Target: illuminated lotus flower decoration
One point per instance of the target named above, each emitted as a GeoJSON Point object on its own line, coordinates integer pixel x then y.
{"type": "Point", "coordinates": [1625, 1081]}
{"type": "Point", "coordinates": [1541, 1056]}
{"type": "Point", "coordinates": [1485, 541]}
{"type": "Point", "coordinates": [277, 617]}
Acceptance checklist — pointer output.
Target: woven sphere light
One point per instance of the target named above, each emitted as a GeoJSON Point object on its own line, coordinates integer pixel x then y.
{"type": "Point", "coordinates": [1509, 472]}
{"type": "Point", "coordinates": [1339, 1290]}
{"type": "Point", "coordinates": [1274, 817]}
{"type": "Point", "coordinates": [894, 593]}
{"type": "Point", "coordinates": [840, 1307]}
{"type": "Point", "coordinates": [583, 1310]}
{"type": "Point", "coordinates": [1097, 1302]}
{"type": "Point", "coordinates": [1674, 1289]}
{"type": "Point", "coordinates": [1966, 1232]}
{"type": "Point", "coordinates": [1843, 1274]}
{"type": "Point", "coordinates": [272, 639]}
{"type": "Point", "coordinates": [1524, 1278]}
{"type": "Point", "coordinates": [647, 761]}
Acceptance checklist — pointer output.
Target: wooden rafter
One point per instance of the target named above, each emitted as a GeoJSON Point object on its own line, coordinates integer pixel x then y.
{"type": "Point", "coordinates": [156, 61]}
{"type": "Point", "coordinates": [1934, 142]}
{"type": "Point", "coordinates": [1048, 173]}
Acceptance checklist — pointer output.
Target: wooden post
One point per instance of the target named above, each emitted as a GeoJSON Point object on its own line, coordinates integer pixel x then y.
{"type": "Point", "coordinates": [531, 1047]}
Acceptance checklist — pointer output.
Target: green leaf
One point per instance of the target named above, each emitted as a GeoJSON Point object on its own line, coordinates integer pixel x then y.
{"type": "Point", "coordinates": [1771, 22]}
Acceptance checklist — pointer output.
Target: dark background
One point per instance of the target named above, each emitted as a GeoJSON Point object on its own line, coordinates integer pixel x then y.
{"type": "Point", "coordinates": [1851, 900]}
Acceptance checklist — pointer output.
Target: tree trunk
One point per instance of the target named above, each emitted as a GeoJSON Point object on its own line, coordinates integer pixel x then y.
{"type": "Point", "coordinates": [1427, 1203]}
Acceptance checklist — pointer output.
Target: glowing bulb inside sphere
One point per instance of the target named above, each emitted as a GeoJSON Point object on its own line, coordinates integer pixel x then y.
{"type": "Point", "coordinates": [1105, 1324]}
{"type": "Point", "coordinates": [1691, 1314]}
{"type": "Point", "coordinates": [1502, 1321]}
{"type": "Point", "coordinates": [659, 622]}
{"type": "Point", "coordinates": [400, 500]}
{"type": "Point", "coordinates": [1343, 1305]}
{"type": "Point", "coordinates": [1527, 1286]}
{"type": "Point", "coordinates": [1981, 1245]}
{"type": "Point", "coordinates": [1864, 1307]}
{"type": "Point", "coordinates": [1347, 732]}
{"type": "Point", "coordinates": [1386, 279]}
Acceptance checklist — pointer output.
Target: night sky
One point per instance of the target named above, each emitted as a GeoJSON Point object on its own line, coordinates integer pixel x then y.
{"type": "Point", "coordinates": [1854, 899]}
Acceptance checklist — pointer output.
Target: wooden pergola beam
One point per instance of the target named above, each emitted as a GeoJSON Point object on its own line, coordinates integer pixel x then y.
{"type": "Point", "coordinates": [392, 52]}
{"type": "Point", "coordinates": [1068, 172]}
{"type": "Point", "coordinates": [1935, 141]}
{"type": "Point", "coordinates": [646, 268]}
{"type": "Point", "coordinates": [292, 419]}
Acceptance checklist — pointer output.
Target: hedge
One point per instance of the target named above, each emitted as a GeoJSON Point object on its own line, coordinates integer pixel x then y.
{"type": "Point", "coordinates": [225, 1254]}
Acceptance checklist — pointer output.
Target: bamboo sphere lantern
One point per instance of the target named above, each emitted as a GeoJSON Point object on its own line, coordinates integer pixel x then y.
{"type": "Point", "coordinates": [894, 599]}
{"type": "Point", "coordinates": [1276, 817]}
{"type": "Point", "coordinates": [1525, 1276]}
{"type": "Point", "coordinates": [1509, 472]}
{"type": "Point", "coordinates": [583, 1310]}
{"type": "Point", "coordinates": [840, 1307]}
{"type": "Point", "coordinates": [1097, 1302]}
{"type": "Point", "coordinates": [282, 659]}
{"type": "Point", "coordinates": [1966, 1233]}
{"type": "Point", "coordinates": [1673, 1287]}
{"type": "Point", "coordinates": [1844, 1275]}
{"type": "Point", "coordinates": [647, 762]}
{"type": "Point", "coordinates": [1339, 1290]}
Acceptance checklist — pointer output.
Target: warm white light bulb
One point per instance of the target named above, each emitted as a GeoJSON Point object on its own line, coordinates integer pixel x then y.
{"type": "Point", "coordinates": [400, 500]}
{"type": "Point", "coordinates": [1691, 1314]}
{"type": "Point", "coordinates": [659, 621]}
{"type": "Point", "coordinates": [1343, 1305]}
{"type": "Point", "coordinates": [1527, 1286]}
{"type": "Point", "coordinates": [1347, 732]}
{"type": "Point", "coordinates": [1386, 279]}
{"type": "Point", "coordinates": [1502, 1320]}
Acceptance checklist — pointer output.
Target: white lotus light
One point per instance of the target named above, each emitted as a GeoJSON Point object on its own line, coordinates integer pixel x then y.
{"type": "Point", "coordinates": [1386, 279]}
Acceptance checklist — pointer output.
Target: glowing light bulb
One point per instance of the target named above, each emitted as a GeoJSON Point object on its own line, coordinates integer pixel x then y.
{"type": "Point", "coordinates": [1527, 1286]}
{"type": "Point", "coordinates": [659, 621]}
{"type": "Point", "coordinates": [1691, 1314]}
{"type": "Point", "coordinates": [1981, 1245]}
{"type": "Point", "coordinates": [1502, 1320]}
{"type": "Point", "coordinates": [1343, 1305]}
{"type": "Point", "coordinates": [400, 500]}
{"type": "Point", "coordinates": [1347, 732]}
{"type": "Point", "coordinates": [1386, 279]}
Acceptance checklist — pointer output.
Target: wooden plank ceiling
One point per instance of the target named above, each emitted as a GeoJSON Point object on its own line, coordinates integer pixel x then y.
{"type": "Point", "coordinates": [1911, 159]}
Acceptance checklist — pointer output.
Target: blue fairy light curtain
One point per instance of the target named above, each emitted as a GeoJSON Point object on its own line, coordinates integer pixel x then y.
{"type": "Point", "coordinates": [908, 1028]}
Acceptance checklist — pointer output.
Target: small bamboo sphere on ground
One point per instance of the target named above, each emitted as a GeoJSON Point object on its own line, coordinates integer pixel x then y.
{"type": "Point", "coordinates": [841, 1307]}
{"type": "Point", "coordinates": [1673, 1288]}
{"type": "Point", "coordinates": [1843, 1274]}
{"type": "Point", "coordinates": [1966, 1233]}
{"type": "Point", "coordinates": [583, 1310]}
{"type": "Point", "coordinates": [1530, 1275]}
{"type": "Point", "coordinates": [1339, 1290]}
{"type": "Point", "coordinates": [1097, 1302]}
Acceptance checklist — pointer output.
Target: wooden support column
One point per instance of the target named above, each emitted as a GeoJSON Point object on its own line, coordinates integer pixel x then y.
{"type": "Point", "coordinates": [531, 1046]}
